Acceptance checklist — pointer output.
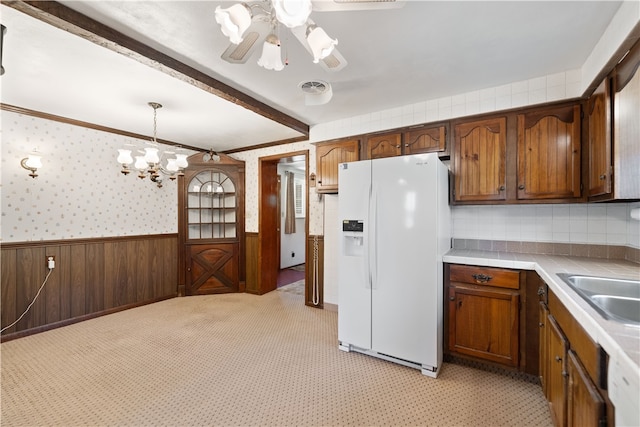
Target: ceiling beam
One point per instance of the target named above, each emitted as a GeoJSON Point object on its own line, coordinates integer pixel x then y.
{"type": "Point", "coordinates": [67, 19]}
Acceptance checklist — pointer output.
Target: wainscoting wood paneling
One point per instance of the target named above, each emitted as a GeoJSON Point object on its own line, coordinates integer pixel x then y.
{"type": "Point", "coordinates": [309, 269]}
{"type": "Point", "coordinates": [252, 245]}
{"type": "Point", "coordinates": [91, 277]}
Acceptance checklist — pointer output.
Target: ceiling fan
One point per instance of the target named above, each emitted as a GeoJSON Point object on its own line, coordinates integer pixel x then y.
{"type": "Point", "coordinates": [248, 23]}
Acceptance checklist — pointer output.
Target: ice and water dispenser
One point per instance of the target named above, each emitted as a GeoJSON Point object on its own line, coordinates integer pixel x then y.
{"type": "Point", "coordinates": [353, 235]}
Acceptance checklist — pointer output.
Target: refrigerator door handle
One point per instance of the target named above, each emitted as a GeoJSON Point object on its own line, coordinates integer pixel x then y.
{"type": "Point", "coordinates": [373, 239]}
{"type": "Point", "coordinates": [367, 256]}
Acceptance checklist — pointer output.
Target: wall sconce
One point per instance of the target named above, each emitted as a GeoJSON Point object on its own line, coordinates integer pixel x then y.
{"type": "Point", "coordinates": [32, 163]}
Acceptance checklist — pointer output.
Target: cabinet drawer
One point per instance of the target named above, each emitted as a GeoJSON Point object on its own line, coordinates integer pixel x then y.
{"type": "Point", "coordinates": [486, 276]}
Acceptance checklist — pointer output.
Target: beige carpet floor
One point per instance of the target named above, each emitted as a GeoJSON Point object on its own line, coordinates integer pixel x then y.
{"type": "Point", "coordinates": [239, 359]}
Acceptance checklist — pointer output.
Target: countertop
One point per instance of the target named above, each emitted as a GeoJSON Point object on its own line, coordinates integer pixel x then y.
{"type": "Point", "coordinates": [621, 342]}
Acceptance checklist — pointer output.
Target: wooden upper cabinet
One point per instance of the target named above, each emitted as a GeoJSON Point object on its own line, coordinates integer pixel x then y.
{"type": "Point", "coordinates": [549, 153]}
{"type": "Point", "coordinates": [387, 145]}
{"type": "Point", "coordinates": [425, 139]}
{"type": "Point", "coordinates": [479, 157]}
{"type": "Point", "coordinates": [626, 126]}
{"type": "Point", "coordinates": [328, 156]}
{"type": "Point", "coordinates": [599, 117]}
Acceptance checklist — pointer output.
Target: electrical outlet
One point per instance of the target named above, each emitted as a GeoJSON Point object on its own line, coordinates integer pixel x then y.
{"type": "Point", "coordinates": [51, 262]}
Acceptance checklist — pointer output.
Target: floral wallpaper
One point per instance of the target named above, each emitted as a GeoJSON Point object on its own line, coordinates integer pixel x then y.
{"type": "Point", "coordinates": [79, 191]}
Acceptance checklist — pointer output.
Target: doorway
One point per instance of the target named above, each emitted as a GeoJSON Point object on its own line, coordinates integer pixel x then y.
{"type": "Point", "coordinates": [281, 253]}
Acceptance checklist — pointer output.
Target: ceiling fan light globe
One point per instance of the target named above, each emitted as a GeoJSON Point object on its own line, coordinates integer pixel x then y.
{"type": "Point", "coordinates": [271, 59]}
{"type": "Point", "coordinates": [292, 13]}
{"type": "Point", "coordinates": [234, 21]}
{"type": "Point", "coordinates": [320, 43]}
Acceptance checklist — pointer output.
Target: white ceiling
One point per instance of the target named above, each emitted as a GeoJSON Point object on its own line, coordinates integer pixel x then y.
{"type": "Point", "coordinates": [424, 50]}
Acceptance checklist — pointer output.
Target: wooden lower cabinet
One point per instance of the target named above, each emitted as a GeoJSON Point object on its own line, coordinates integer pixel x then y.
{"type": "Point", "coordinates": [483, 313]}
{"type": "Point", "coordinates": [569, 382]}
{"type": "Point", "coordinates": [557, 373]}
{"type": "Point", "coordinates": [543, 339]}
{"type": "Point", "coordinates": [484, 323]}
{"type": "Point", "coordinates": [585, 406]}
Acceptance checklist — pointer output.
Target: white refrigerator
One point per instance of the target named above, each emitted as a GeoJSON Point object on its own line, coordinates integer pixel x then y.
{"type": "Point", "coordinates": [394, 221]}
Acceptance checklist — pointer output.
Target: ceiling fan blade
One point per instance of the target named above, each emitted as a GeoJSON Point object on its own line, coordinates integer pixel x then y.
{"type": "Point", "coordinates": [253, 37]}
{"type": "Point", "coordinates": [334, 62]}
{"type": "Point", "coordinates": [342, 5]}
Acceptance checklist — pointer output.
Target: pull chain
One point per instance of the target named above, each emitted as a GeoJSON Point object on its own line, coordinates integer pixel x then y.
{"type": "Point", "coordinates": [315, 298]}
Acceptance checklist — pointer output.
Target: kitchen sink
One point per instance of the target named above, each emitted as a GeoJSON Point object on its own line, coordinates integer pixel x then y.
{"type": "Point", "coordinates": [614, 299]}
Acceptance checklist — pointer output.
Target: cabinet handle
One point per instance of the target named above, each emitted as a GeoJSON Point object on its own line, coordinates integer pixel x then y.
{"type": "Point", "coordinates": [406, 145]}
{"type": "Point", "coordinates": [541, 291]}
{"type": "Point", "coordinates": [481, 278]}
{"type": "Point", "coordinates": [540, 324]}
{"type": "Point", "coordinates": [452, 298]}
{"type": "Point", "coordinates": [320, 182]}
{"type": "Point", "coordinates": [603, 177]}
{"type": "Point", "coordinates": [501, 188]}
{"type": "Point", "coordinates": [521, 186]}
{"type": "Point", "coordinates": [558, 359]}
{"type": "Point", "coordinates": [398, 146]}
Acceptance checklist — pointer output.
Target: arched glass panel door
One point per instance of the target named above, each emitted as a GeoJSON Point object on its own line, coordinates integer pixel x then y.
{"type": "Point", "coordinates": [211, 206]}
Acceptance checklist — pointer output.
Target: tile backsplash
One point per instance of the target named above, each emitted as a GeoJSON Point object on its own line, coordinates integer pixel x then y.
{"type": "Point", "coordinates": [593, 223]}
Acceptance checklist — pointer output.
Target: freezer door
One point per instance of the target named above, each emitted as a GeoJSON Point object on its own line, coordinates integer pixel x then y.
{"type": "Point", "coordinates": [404, 258]}
{"type": "Point", "coordinates": [354, 288]}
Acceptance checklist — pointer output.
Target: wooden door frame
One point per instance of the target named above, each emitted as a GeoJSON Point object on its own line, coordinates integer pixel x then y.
{"type": "Point", "coordinates": [267, 265]}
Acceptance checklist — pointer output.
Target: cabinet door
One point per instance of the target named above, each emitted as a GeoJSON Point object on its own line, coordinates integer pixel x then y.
{"type": "Point", "coordinates": [599, 114]}
{"type": "Point", "coordinates": [543, 315]}
{"type": "Point", "coordinates": [626, 133]}
{"type": "Point", "coordinates": [484, 323]}
{"type": "Point", "coordinates": [388, 145]}
{"type": "Point", "coordinates": [549, 153]}
{"type": "Point", "coordinates": [479, 160]}
{"type": "Point", "coordinates": [212, 269]}
{"type": "Point", "coordinates": [585, 405]}
{"type": "Point", "coordinates": [328, 156]}
{"type": "Point", "coordinates": [557, 383]}
{"type": "Point", "coordinates": [425, 140]}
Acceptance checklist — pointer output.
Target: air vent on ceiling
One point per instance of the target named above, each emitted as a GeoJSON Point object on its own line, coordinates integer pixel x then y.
{"type": "Point", "coordinates": [316, 92]}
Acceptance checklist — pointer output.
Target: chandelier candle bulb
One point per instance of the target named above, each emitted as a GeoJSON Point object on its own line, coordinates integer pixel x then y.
{"type": "Point", "coordinates": [125, 159]}
{"type": "Point", "coordinates": [141, 166]}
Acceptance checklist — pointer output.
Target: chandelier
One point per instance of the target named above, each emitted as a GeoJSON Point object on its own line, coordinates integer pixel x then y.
{"type": "Point", "coordinates": [244, 24]}
{"type": "Point", "coordinates": [150, 161]}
